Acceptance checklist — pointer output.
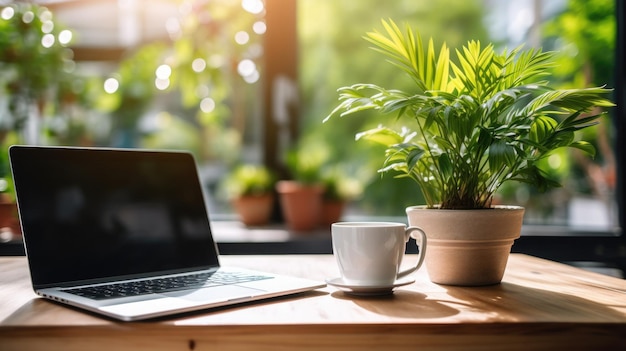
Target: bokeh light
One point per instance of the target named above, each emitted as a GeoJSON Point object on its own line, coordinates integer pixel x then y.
{"type": "Point", "coordinates": [248, 71]}
{"type": "Point", "coordinates": [47, 26]}
{"type": "Point", "coordinates": [259, 27]}
{"type": "Point", "coordinates": [45, 16]}
{"type": "Point", "coordinates": [242, 37]}
{"type": "Point", "coordinates": [253, 6]}
{"type": "Point", "coordinates": [7, 13]}
{"type": "Point", "coordinates": [111, 85]}
{"type": "Point", "coordinates": [162, 84]}
{"type": "Point", "coordinates": [47, 40]}
{"type": "Point", "coordinates": [198, 65]}
{"type": "Point", "coordinates": [246, 67]}
{"type": "Point", "coordinates": [65, 37]}
{"type": "Point", "coordinates": [28, 17]}
{"type": "Point", "coordinates": [207, 105]}
{"type": "Point", "coordinates": [163, 72]}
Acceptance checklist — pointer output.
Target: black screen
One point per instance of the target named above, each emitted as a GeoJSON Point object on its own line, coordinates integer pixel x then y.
{"type": "Point", "coordinates": [89, 214]}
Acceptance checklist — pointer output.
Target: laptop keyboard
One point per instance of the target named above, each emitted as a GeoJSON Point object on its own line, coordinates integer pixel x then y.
{"type": "Point", "coordinates": [161, 285]}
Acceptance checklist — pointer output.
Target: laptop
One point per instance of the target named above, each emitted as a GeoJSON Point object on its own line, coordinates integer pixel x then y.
{"type": "Point", "coordinates": [125, 233]}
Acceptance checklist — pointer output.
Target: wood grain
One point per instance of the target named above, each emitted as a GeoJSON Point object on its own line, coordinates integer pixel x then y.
{"type": "Point", "coordinates": [540, 305]}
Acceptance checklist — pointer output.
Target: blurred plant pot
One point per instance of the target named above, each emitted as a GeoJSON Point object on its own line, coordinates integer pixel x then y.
{"type": "Point", "coordinates": [468, 247]}
{"type": "Point", "coordinates": [9, 221]}
{"type": "Point", "coordinates": [332, 210]}
{"type": "Point", "coordinates": [301, 204]}
{"type": "Point", "coordinates": [254, 210]}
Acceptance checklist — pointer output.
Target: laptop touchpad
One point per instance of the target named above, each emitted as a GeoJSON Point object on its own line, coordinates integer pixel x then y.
{"type": "Point", "coordinates": [216, 293]}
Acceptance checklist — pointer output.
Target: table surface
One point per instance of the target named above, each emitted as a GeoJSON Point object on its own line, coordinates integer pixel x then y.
{"type": "Point", "coordinates": [539, 305]}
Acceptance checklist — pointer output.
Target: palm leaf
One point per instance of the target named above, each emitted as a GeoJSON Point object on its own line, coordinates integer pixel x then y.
{"type": "Point", "coordinates": [588, 148]}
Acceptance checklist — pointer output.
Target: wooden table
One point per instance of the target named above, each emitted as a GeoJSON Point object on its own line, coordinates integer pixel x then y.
{"type": "Point", "coordinates": [540, 305]}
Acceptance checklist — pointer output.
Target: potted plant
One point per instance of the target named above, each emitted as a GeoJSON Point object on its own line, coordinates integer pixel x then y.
{"type": "Point", "coordinates": [301, 196]}
{"type": "Point", "coordinates": [251, 190]}
{"type": "Point", "coordinates": [473, 125]}
{"type": "Point", "coordinates": [9, 220]}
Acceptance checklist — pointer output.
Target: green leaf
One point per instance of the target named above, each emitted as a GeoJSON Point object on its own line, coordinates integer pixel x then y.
{"type": "Point", "coordinates": [442, 70]}
{"type": "Point", "coordinates": [560, 139]}
{"type": "Point", "coordinates": [573, 123]}
{"type": "Point", "coordinates": [588, 148]}
{"type": "Point", "coordinates": [445, 165]}
{"type": "Point", "coordinates": [484, 138]}
{"type": "Point", "coordinates": [501, 155]}
{"type": "Point", "coordinates": [542, 128]}
{"type": "Point", "coordinates": [414, 157]}
{"type": "Point", "coordinates": [443, 143]}
{"type": "Point", "coordinates": [381, 135]}
{"type": "Point", "coordinates": [536, 177]}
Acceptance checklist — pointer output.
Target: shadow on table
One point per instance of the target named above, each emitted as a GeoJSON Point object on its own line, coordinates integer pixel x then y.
{"type": "Point", "coordinates": [401, 304]}
{"type": "Point", "coordinates": [512, 302]}
{"type": "Point", "coordinates": [503, 302]}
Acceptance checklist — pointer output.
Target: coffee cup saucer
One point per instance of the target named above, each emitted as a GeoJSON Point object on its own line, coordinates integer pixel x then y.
{"type": "Point", "coordinates": [367, 290]}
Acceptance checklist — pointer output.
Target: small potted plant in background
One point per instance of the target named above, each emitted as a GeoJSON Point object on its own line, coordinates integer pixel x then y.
{"type": "Point", "coordinates": [471, 126]}
{"type": "Point", "coordinates": [301, 196]}
{"type": "Point", "coordinates": [9, 219]}
{"type": "Point", "coordinates": [251, 190]}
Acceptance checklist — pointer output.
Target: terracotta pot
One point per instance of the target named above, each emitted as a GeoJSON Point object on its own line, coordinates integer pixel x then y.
{"type": "Point", "coordinates": [9, 221]}
{"type": "Point", "coordinates": [332, 211]}
{"type": "Point", "coordinates": [468, 247]}
{"type": "Point", "coordinates": [301, 204]}
{"type": "Point", "coordinates": [254, 210]}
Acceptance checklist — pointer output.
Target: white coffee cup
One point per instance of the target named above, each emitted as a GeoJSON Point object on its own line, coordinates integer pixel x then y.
{"type": "Point", "coordinates": [371, 253]}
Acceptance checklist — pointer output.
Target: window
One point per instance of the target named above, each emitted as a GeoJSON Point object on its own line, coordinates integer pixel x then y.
{"type": "Point", "coordinates": [216, 77]}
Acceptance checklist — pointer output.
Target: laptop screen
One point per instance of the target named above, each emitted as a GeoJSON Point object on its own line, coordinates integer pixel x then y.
{"type": "Point", "coordinates": [89, 214]}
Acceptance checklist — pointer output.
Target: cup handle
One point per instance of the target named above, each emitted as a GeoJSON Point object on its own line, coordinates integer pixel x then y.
{"type": "Point", "coordinates": [421, 244]}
